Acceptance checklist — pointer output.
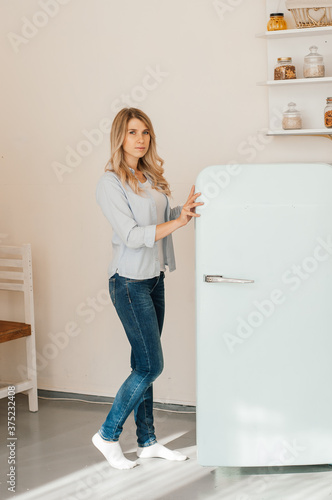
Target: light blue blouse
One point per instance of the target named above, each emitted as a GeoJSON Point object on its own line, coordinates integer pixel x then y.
{"type": "Point", "coordinates": [134, 218]}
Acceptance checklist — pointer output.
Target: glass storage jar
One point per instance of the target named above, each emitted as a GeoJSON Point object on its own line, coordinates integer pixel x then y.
{"type": "Point", "coordinates": [284, 69]}
{"type": "Point", "coordinates": [313, 64]}
{"type": "Point", "coordinates": [276, 22]}
{"type": "Point", "coordinates": [328, 113]}
{"type": "Point", "coordinates": [291, 118]}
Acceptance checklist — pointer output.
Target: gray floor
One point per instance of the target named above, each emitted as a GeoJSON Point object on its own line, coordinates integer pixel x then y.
{"type": "Point", "coordinates": [55, 460]}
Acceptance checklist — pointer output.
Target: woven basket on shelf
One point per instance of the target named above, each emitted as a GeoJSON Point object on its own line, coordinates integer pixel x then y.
{"type": "Point", "coordinates": [311, 13]}
{"type": "Point", "coordinates": [304, 17]}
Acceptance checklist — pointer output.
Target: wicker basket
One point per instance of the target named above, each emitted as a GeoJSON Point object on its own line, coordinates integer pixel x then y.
{"type": "Point", "coordinates": [312, 17]}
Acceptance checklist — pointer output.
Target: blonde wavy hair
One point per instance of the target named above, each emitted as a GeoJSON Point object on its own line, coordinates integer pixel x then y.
{"type": "Point", "coordinates": [150, 164]}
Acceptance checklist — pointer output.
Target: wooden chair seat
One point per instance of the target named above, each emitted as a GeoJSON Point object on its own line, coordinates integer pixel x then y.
{"type": "Point", "coordinates": [11, 330]}
{"type": "Point", "coordinates": [16, 276]}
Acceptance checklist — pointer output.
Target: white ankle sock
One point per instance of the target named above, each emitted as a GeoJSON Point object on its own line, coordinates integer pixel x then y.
{"type": "Point", "coordinates": [159, 451]}
{"type": "Point", "coordinates": [113, 453]}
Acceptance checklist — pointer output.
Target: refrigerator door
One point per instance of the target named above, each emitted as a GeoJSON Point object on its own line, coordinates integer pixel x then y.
{"type": "Point", "coordinates": [264, 315]}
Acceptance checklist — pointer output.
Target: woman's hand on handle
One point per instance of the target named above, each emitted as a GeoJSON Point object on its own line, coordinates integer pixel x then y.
{"type": "Point", "coordinates": [188, 209]}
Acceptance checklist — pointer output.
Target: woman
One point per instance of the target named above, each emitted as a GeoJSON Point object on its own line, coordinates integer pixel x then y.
{"type": "Point", "coordinates": [133, 195]}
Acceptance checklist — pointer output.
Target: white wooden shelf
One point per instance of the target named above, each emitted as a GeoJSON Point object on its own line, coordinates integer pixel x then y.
{"type": "Point", "coordinates": [302, 131]}
{"type": "Point", "coordinates": [296, 32]}
{"type": "Point", "coordinates": [309, 94]}
{"type": "Point", "coordinates": [298, 81]}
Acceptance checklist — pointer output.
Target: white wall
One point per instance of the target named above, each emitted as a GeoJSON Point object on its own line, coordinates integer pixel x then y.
{"type": "Point", "coordinates": [67, 77]}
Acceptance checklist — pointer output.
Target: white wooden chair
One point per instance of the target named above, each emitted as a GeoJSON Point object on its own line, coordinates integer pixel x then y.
{"type": "Point", "coordinates": [16, 275]}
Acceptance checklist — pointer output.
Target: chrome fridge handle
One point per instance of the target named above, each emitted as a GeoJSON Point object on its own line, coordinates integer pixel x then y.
{"type": "Point", "coordinates": [220, 279]}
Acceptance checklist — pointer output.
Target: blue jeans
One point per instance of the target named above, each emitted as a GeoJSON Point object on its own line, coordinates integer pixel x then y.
{"type": "Point", "coordinates": [140, 305]}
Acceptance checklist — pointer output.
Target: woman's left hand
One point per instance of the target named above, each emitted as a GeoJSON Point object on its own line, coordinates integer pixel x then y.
{"type": "Point", "coordinates": [188, 209]}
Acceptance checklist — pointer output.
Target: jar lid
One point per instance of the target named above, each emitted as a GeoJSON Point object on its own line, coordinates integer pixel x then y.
{"type": "Point", "coordinates": [291, 110]}
{"type": "Point", "coordinates": [277, 14]}
{"type": "Point", "coordinates": [284, 59]}
{"type": "Point", "coordinates": [328, 99]}
{"type": "Point", "coordinates": [313, 56]}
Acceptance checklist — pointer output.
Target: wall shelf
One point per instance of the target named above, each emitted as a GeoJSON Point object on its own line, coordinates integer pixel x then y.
{"type": "Point", "coordinates": [298, 81]}
{"type": "Point", "coordinates": [295, 32]}
{"type": "Point", "coordinates": [309, 94]}
{"type": "Point", "coordinates": [319, 132]}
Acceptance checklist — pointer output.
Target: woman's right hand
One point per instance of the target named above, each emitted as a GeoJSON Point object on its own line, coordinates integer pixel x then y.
{"type": "Point", "coordinates": [188, 209]}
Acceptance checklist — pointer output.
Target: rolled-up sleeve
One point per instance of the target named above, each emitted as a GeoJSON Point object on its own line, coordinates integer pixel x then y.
{"type": "Point", "coordinates": [114, 204]}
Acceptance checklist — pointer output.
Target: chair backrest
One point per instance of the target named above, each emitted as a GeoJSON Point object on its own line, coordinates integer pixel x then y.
{"type": "Point", "coordinates": [16, 275]}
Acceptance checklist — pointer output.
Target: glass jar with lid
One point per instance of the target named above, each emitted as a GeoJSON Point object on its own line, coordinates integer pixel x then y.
{"type": "Point", "coordinates": [284, 69]}
{"type": "Point", "coordinates": [292, 118]}
{"type": "Point", "coordinates": [313, 64]}
{"type": "Point", "coordinates": [276, 22]}
{"type": "Point", "coordinates": [328, 113]}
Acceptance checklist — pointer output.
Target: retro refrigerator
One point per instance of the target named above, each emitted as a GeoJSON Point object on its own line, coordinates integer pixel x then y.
{"type": "Point", "coordinates": [264, 315]}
